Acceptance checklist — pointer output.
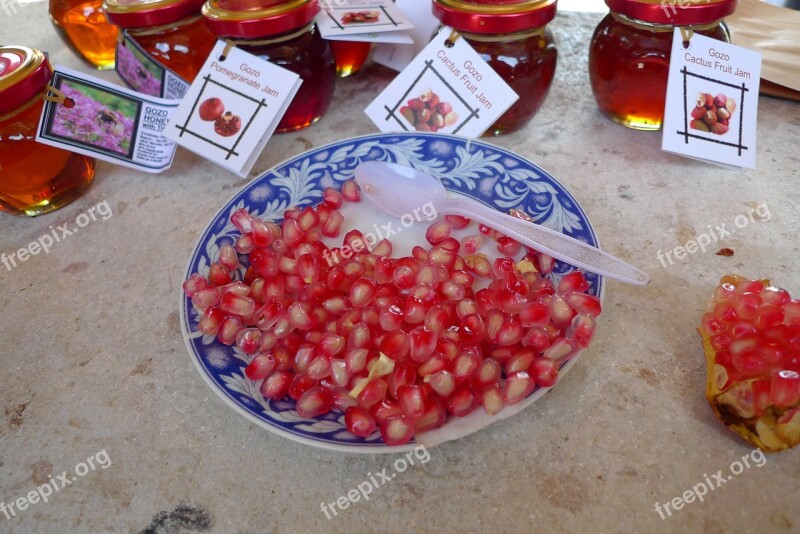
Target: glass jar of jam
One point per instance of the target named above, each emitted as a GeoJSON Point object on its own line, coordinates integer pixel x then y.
{"type": "Point", "coordinates": [630, 51]}
{"type": "Point", "coordinates": [172, 32]}
{"type": "Point", "coordinates": [284, 34]}
{"type": "Point", "coordinates": [350, 56]}
{"type": "Point", "coordinates": [34, 178]}
{"type": "Point", "coordinates": [513, 38]}
{"type": "Point", "coordinates": [84, 27]}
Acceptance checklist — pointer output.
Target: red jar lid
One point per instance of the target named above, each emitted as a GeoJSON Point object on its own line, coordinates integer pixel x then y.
{"type": "Point", "coordinates": [494, 16]}
{"type": "Point", "coordinates": [674, 12]}
{"type": "Point", "coordinates": [251, 19]}
{"type": "Point", "coordinates": [24, 73]}
{"type": "Point", "coordinates": [148, 13]}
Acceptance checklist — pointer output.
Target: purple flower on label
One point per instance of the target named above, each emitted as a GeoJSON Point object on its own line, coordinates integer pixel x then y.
{"type": "Point", "coordinates": [104, 125]}
{"type": "Point", "coordinates": [135, 74]}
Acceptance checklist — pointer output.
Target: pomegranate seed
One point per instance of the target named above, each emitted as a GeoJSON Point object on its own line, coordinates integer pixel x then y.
{"type": "Point", "coordinates": [373, 392]}
{"type": "Point", "coordinates": [300, 384]}
{"type": "Point", "coordinates": [560, 350]}
{"type": "Point", "coordinates": [362, 292]}
{"type": "Point", "coordinates": [433, 365]}
{"type": "Point", "coordinates": [437, 318]}
{"type": "Point", "coordinates": [561, 312]}
{"type": "Point", "coordinates": [211, 321]}
{"type": "Point", "coordinates": [331, 344]}
{"type": "Point", "coordinates": [333, 226]}
{"type": "Point", "coordinates": [463, 401]}
{"type": "Point", "coordinates": [319, 368]}
{"type": "Point", "coordinates": [414, 311]}
{"type": "Point", "coordinates": [422, 343]}
{"type": "Point", "coordinates": [492, 399]}
{"type": "Point", "coordinates": [229, 329]}
{"type": "Point", "coordinates": [465, 364]}
{"type": "Point", "coordinates": [451, 290]}
{"type": "Point", "coordinates": [353, 269]}
{"type": "Point", "coordinates": [395, 345]}
{"type": "Point", "coordinates": [442, 256]}
{"type": "Point", "coordinates": [356, 360]}
{"type": "Point", "coordinates": [241, 220]}
{"type": "Point", "coordinates": [276, 385]}
{"type": "Point", "coordinates": [520, 361]}
{"type": "Point", "coordinates": [419, 253]}
{"type": "Point", "coordinates": [442, 382]}
{"type": "Point", "coordinates": [488, 372]}
{"type": "Point", "coordinates": [573, 282]}
{"type": "Point", "coordinates": [584, 304]}
{"type": "Point", "coordinates": [583, 327]}
{"type": "Point", "coordinates": [518, 386]}
{"type": "Point", "coordinates": [384, 410]}
{"type": "Point", "coordinates": [479, 264]}
{"type": "Point", "coordinates": [262, 235]}
{"type": "Point", "coordinates": [453, 245]}
{"type": "Point", "coordinates": [350, 191]}
{"type": "Point", "coordinates": [248, 340]}
{"type": "Point", "coordinates": [292, 235]}
{"type": "Point", "coordinates": [194, 283]}
{"type": "Point", "coordinates": [485, 230]}
{"type": "Point", "coordinates": [471, 244]}
{"type": "Point", "coordinates": [300, 316]}
{"type": "Point", "coordinates": [305, 354]}
{"type": "Point", "coordinates": [508, 247]}
{"type": "Point", "coordinates": [466, 307]}
{"type": "Point", "coordinates": [402, 375]}
{"type": "Point", "coordinates": [438, 232]}
{"type": "Point", "coordinates": [412, 401]}
{"type": "Point", "coordinates": [544, 372]}
{"type": "Point", "coordinates": [544, 263]}
{"type": "Point", "coordinates": [219, 275]}
{"type": "Point", "coordinates": [339, 375]}
{"type": "Point", "coordinates": [313, 402]}
{"type": "Point", "coordinates": [359, 422]}
{"type": "Point", "coordinates": [457, 222]}
{"type": "Point", "coordinates": [397, 429]}
{"type": "Point", "coordinates": [244, 244]}
{"type": "Point", "coordinates": [260, 367]}
{"type": "Point", "coordinates": [462, 278]}
{"type": "Point", "coordinates": [307, 219]}
{"type": "Point", "coordinates": [205, 298]}
{"type": "Point", "coordinates": [332, 198]}
{"type": "Point", "coordinates": [434, 416]}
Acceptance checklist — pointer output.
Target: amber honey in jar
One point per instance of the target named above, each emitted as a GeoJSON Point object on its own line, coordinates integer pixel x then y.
{"type": "Point", "coordinates": [34, 178]}
{"type": "Point", "coordinates": [84, 27]}
{"type": "Point", "coordinates": [350, 56]}
{"type": "Point", "coordinates": [284, 34]}
{"type": "Point", "coordinates": [171, 32]}
{"type": "Point", "coordinates": [630, 52]}
{"type": "Point", "coordinates": [513, 38]}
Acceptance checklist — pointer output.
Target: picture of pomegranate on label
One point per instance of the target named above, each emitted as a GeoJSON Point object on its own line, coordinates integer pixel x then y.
{"type": "Point", "coordinates": [228, 124]}
{"type": "Point", "coordinates": [360, 17]}
{"type": "Point", "coordinates": [427, 113]}
{"type": "Point", "coordinates": [211, 109]}
{"type": "Point", "coordinates": [712, 113]}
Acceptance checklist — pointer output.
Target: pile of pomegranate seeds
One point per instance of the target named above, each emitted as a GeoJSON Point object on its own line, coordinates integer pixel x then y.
{"type": "Point", "coordinates": [396, 344]}
{"type": "Point", "coordinates": [752, 339]}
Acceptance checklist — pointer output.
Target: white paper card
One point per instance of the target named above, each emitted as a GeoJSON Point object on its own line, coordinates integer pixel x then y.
{"type": "Point", "coordinates": [144, 74]}
{"type": "Point", "coordinates": [398, 57]}
{"type": "Point", "coordinates": [347, 17]}
{"type": "Point", "coordinates": [387, 37]}
{"type": "Point", "coordinates": [712, 102]}
{"type": "Point", "coordinates": [232, 108]}
{"type": "Point", "coordinates": [448, 88]}
{"type": "Point", "coordinates": [107, 122]}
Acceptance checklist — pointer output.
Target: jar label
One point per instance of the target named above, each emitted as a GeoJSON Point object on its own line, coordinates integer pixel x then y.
{"type": "Point", "coordinates": [447, 88]}
{"type": "Point", "coordinates": [144, 74]}
{"type": "Point", "coordinates": [107, 122]}
{"type": "Point", "coordinates": [232, 108]}
{"type": "Point", "coordinates": [351, 19]}
{"type": "Point", "coordinates": [712, 101]}
{"type": "Point", "coordinates": [398, 56]}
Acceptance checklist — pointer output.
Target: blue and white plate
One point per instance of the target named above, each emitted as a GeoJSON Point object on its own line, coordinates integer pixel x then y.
{"type": "Point", "coordinates": [475, 169]}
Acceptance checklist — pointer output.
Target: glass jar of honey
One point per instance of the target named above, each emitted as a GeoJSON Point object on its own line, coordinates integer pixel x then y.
{"type": "Point", "coordinates": [84, 27]}
{"type": "Point", "coordinates": [630, 52]}
{"type": "Point", "coordinates": [513, 38]}
{"type": "Point", "coordinates": [34, 178]}
{"type": "Point", "coordinates": [282, 33]}
{"type": "Point", "coordinates": [171, 32]}
{"type": "Point", "coordinates": [350, 56]}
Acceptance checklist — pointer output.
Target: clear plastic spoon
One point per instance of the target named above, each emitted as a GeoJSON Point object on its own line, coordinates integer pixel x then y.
{"type": "Point", "coordinates": [399, 190]}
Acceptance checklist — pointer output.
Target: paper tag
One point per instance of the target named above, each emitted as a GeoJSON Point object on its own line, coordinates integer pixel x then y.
{"type": "Point", "coordinates": [108, 122]}
{"type": "Point", "coordinates": [144, 74]}
{"type": "Point", "coordinates": [712, 102]}
{"type": "Point", "coordinates": [347, 17]}
{"type": "Point", "coordinates": [447, 88]}
{"type": "Point", "coordinates": [398, 57]}
{"type": "Point", "coordinates": [387, 37]}
{"type": "Point", "coordinates": [232, 108]}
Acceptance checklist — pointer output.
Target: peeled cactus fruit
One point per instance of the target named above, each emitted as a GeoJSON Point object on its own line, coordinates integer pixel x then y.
{"type": "Point", "coordinates": [751, 338]}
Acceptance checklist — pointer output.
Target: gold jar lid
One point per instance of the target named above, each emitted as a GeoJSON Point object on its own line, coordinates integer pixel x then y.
{"type": "Point", "coordinates": [24, 72]}
{"type": "Point", "coordinates": [147, 13]}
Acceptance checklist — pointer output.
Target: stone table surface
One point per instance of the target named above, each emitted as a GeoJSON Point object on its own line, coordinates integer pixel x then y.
{"type": "Point", "coordinates": [93, 358]}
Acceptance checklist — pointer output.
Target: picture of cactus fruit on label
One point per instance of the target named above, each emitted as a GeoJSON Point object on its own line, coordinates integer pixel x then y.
{"type": "Point", "coordinates": [360, 17]}
{"type": "Point", "coordinates": [712, 113]}
{"type": "Point", "coordinates": [226, 124]}
{"type": "Point", "coordinates": [427, 113]}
